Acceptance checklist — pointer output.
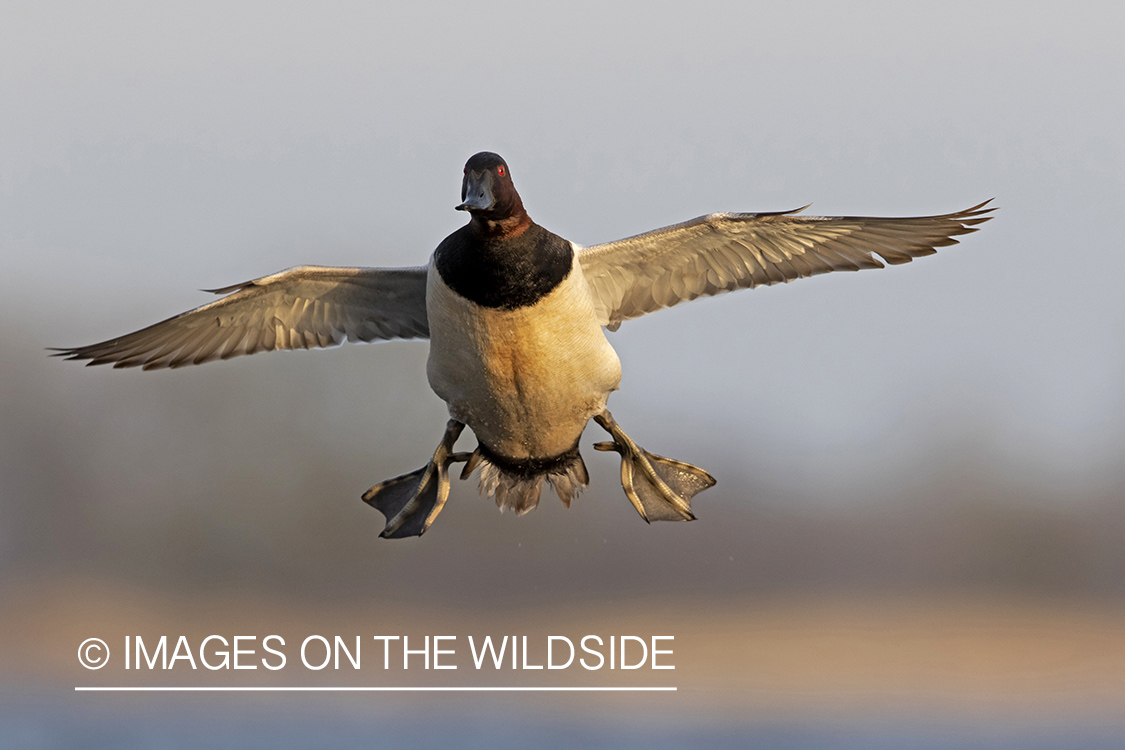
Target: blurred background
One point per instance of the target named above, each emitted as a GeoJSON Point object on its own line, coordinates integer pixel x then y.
{"type": "Point", "coordinates": [917, 535]}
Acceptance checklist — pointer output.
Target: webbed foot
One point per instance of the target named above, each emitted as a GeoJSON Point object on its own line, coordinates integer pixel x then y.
{"type": "Point", "coordinates": [412, 501]}
{"type": "Point", "coordinates": [659, 488]}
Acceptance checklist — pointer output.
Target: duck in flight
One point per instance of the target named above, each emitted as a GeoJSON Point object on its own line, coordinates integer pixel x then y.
{"type": "Point", "coordinates": [516, 318]}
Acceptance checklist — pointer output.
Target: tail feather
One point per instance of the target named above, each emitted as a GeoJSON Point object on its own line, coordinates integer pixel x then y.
{"type": "Point", "coordinates": [520, 492]}
{"type": "Point", "coordinates": [570, 479]}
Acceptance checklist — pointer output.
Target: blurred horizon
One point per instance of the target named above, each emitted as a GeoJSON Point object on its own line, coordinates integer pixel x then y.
{"type": "Point", "coordinates": [954, 518]}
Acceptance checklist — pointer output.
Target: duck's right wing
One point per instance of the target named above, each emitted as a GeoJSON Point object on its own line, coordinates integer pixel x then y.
{"type": "Point", "coordinates": [723, 252]}
{"type": "Point", "coordinates": [300, 308]}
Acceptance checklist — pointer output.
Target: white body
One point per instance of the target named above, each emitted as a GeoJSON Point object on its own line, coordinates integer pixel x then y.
{"type": "Point", "coordinates": [526, 380]}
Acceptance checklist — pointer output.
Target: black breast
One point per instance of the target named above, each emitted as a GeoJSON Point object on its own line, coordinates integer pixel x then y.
{"type": "Point", "coordinates": [506, 273]}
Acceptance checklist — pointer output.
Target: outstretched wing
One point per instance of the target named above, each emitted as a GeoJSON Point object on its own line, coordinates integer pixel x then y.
{"type": "Point", "coordinates": [300, 308]}
{"type": "Point", "coordinates": [723, 252]}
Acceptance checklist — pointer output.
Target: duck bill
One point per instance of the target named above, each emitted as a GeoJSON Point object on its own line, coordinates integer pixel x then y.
{"type": "Point", "coordinates": [476, 192]}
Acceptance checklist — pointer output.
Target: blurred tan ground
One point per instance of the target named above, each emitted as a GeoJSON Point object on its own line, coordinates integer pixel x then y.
{"type": "Point", "coordinates": [964, 658]}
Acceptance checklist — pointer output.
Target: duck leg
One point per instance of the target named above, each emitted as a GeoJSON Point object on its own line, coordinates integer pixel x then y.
{"type": "Point", "coordinates": [659, 488]}
{"type": "Point", "coordinates": [412, 501]}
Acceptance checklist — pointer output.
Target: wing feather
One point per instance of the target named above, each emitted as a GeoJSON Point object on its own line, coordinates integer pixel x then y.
{"type": "Point", "coordinates": [723, 252]}
{"type": "Point", "coordinates": [300, 308]}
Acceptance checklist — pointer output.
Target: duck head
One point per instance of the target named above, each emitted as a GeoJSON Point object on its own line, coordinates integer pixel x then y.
{"type": "Point", "coordinates": [488, 194]}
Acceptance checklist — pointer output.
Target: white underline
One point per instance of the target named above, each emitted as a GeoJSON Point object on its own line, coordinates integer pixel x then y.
{"type": "Point", "coordinates": [379, 689]}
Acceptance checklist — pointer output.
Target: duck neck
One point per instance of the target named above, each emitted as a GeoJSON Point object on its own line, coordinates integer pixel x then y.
{"type": "Point", "coordinates": [513, 224]}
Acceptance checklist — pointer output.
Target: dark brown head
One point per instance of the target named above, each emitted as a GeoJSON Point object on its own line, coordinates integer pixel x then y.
{"type": "Point", "coordinates": [488, 194]}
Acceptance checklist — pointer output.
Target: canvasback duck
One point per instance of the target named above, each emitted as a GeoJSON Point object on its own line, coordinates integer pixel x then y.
{"type": "Point", "coordinates": [516, 317]}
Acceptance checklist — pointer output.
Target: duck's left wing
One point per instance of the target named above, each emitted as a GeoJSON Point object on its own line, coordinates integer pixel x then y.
{"type": "Point", "coordinates": [723, 252]}
{"type": "Point", "coordinates": [300, 308]}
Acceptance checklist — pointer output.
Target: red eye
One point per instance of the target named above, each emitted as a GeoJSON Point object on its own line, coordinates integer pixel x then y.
{"type": "Point", "coordinates": [500, 170]}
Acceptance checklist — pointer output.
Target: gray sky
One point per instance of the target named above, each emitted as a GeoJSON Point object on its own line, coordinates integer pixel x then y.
{"type": "Point", "coordinates": [148, 151]}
